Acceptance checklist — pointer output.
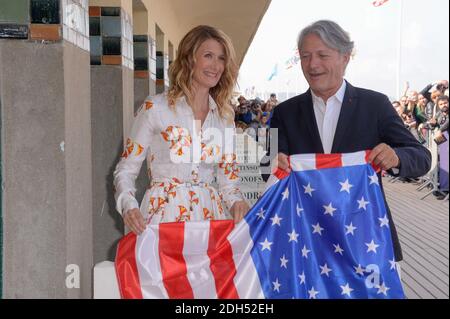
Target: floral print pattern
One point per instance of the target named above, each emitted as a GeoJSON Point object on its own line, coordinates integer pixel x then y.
{"type": "Point", "coordinates": [132, 147]}
{"type": "Point", "coordinates": [178, 191]}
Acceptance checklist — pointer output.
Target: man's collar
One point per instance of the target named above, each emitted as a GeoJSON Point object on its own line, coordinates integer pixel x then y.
{"type": "Point", "coordinates": [339, 94]}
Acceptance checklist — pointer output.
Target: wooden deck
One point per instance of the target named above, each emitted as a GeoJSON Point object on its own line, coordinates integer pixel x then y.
{"type": "Point", "coordinates": [423, 227]}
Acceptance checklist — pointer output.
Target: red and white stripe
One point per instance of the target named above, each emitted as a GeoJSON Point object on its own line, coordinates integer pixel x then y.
{"type": "Point", "coordinates": [306, 162]}
{"type": "Point", "coordinates": [188, 260]}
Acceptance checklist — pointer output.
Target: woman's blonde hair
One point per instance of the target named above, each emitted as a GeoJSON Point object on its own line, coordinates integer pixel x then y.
{"type": "Point", "coordinates": [181, 70]}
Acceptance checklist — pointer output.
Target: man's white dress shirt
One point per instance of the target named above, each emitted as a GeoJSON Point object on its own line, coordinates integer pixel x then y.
{"type": "Point", "coordinates": [327, 116]}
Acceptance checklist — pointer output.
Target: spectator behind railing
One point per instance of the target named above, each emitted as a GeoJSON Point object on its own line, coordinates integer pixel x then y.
{"type": "Point", "coordinates": [414, 108]}
{"type": "Point", "coordinates": [418, 116]}
{"type": "Point", "coordinates": [432, 106]}
{"type": "Point", "coordinates": [440, 137]}
{"type": "Point", "coordinates": [398, 108]}
{"type": "Point", "coordinates": [422, 103]}
{"type": "Point", "coordinates": [404, 101]}
{"type": "Point", "coordinates": [440, 121]}
{"type": "Point", "coordinates": [273, 99]}
{"type": "Point", "coordinates": [244, 112]}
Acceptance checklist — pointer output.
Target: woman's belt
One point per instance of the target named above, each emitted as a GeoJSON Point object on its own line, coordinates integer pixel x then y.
{"type": "Point", "coordinates": [171, 184]}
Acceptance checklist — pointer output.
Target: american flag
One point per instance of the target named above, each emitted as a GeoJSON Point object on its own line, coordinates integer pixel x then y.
{"type": "Point", "coordinates": [320, 232]}
{"type": "Point", "coordinates": [379, 3]}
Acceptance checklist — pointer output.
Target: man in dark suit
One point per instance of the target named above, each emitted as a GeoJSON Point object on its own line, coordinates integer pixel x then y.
{"type": "Point", "coordinates": [335, 117]}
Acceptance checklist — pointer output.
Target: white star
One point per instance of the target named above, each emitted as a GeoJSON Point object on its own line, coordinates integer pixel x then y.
{"type": "Point", "coordinates": [305, 251]}
{"type": "Point", "coordinates": [338, 249]}
{"type": "Point", "coordinates": [302, 278]}
{"type": "Point", "coordinates": [284, 262]}
{"type": "Point", "coordinates": [261, 214]}
{"type": "Point", "coordinates": [299, 210]}
{"type": "Point", "coordinates": [308, 189]}
{"type": "Point", "coordinates": [265, 244]}
{"type": "Point", "coordinates": [384, 221]}
{"type": "Point", "coordinates": [312, 293]}
{"type": "Point", "coordinates": [374, 179]}
{"type": "Point", "coordinates": [393, 264]}
{"type": "Point", "coordinates": [329, 209]}
{"type": "Point", "coordinates": [359, 270]}
{"type": "Point", "coordinates": [346, 186]}
{"type": "Point", "coordinates": [293, 236]}
{"type": "Point", "coordinates": [317, 229]}
{"type": "Point", "coordinates": [382, 289]}
{"type": "Point", "coordinates": [276, 285]}
{"type": "Point", "coordinates": [362, 203]}
{"type": "Point", "coordinates": [325, 270]}
{"type": "Point", "coordinates": [372, 246]}
{"type": "Point", "coordinates": [276, 220]}
{"type": "Point", "coordinates": [350, 229]}
{"type": "Point", "coordinates": [286, 194]}
{"type": "Point", "coordinates": [346, 290]}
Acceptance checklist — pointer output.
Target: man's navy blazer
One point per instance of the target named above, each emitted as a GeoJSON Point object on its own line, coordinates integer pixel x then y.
{"type": "Point", "coordinates": [367, 119]}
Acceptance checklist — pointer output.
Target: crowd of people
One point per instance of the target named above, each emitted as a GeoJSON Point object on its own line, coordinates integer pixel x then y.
{"type": "Point", "coordinates": [425, 114]}
{"type": "Point", "coordinates": [254, 113]}
{"type": "Point", "coordinates": [253, 116]}
{"type": "Point", "coordinates": [425, 111]}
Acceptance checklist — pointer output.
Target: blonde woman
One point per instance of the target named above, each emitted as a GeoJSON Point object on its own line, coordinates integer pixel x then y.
{"type": "Point", "coordinates": [186, 136]}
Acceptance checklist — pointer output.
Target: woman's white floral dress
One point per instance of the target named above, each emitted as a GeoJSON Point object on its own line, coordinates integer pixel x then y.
{"type": "Point", "coordinates": [181, 162]}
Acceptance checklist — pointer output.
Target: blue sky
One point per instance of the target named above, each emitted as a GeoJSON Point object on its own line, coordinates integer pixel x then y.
{"type": "Point", "coordinates": [423, 49]}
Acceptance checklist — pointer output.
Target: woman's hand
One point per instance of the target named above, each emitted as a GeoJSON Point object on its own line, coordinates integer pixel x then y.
{"type": "Point", "coordinates": [239, 209]}
{"type": "Point", "coordinates": [134, 221]}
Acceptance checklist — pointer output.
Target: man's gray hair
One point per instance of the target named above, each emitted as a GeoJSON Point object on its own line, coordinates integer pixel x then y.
{"type": "Point", "coordinates": [331, 34]}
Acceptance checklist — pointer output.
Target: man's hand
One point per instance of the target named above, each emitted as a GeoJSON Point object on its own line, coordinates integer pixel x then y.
{"type": "Point", "coordinates": [134, 221]}
{"type": "Point", "coordinates": [281, 161]}
{"type": "Point", "coordinates": [239, 209]}
{"type": "Point", "coordinates": [384, 157]}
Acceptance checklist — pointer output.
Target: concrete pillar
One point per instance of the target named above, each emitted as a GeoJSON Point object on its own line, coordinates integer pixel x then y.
{"type": "Point", "coordinates": [46, 154]}
{"type": "Point", "coordinates": [141, 90]}
{"type": "Point", "coordinates": [141, 54]}
{"type": "Point", "coordinates": [107, 134]}
{"type": "Point", "coordinates": [46, 150]}
{"type": "Point", "coordinates": [112, 100]}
